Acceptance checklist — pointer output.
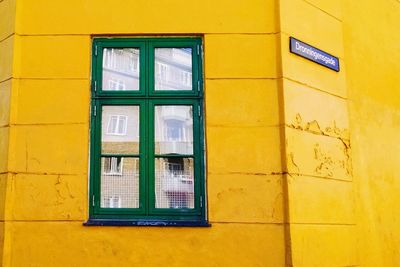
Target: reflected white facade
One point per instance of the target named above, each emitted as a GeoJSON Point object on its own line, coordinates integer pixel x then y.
{"type": "Point", "coordinates": [172, 69]}
{"type": "Point", "coordinates": [173, 132]}
{"type": "Point", "coordinates": [120, 69]}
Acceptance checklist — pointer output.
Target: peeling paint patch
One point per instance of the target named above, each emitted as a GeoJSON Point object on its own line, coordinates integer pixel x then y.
{"type": "Point", "coordinates": [310, 153]}
{"type": "Point", "coordinates": [315, 128]}
{"type": "Point", "coordinates": [325, 168]}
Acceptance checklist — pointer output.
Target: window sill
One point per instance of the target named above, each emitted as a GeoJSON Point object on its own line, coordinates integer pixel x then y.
{"type": "Point", "coordinates": [116, 222]}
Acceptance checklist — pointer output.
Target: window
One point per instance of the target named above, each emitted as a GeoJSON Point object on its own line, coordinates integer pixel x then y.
{"type": "Point", "coordinates": [112, 166]}
{"type": "Point", "coordinates": [147, 136]}
{"type": "Point", "coordinates": [116, 84]}
{"type": "Point", "coordinates": [117, 124]}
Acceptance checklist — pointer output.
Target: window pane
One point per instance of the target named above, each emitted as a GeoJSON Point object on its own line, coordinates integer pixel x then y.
{"type": "Point", "coordinates": [119, 182]}
{"type": "Point", "coordinates": [120, 130]}
{"type": "Point", "coordinates": [173, 69]}
{"type": "Point", "coordinates": [173, 130]}
{"type": "Point", "coordinates": [174, 183]}
{"type": "Point", "coordinates": [120, 69]}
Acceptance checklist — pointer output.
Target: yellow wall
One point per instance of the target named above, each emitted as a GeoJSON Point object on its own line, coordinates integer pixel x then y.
{"type": "Point", "coordinates": [7, 39]}
{"type": "Point", "coordinates": [373, 81]}
{"type": "Point", "coordinates": [317, 147]}
{"type": "Point", "coordinates": [49, 137]}
{"type": "Point", "coordinates": [301, 160]}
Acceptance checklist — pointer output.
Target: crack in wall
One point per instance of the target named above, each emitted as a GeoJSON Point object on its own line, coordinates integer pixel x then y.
{"type": "Point", "coordinates": [292, 162]}
{"type": "Point", "coordinates": [314, 128]}
{"type": "Point", "coordinates": [326, 161]}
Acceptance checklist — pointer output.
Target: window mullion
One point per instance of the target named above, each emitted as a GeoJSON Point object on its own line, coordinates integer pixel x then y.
{"type": "Point", "coordinates": [197, 153]}
{"type": "Point", "coordinates": [147, 129]}
{"type": "Point", "coordinates": [150, 156]}
{"type": "Point", "coordinates": [97, 154]}
{"type": "Point", "coordinates": [144, 183]}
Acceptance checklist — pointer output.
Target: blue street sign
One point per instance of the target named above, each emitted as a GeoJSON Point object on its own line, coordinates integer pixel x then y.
{"type": "Point", "coordinates": [314, 54]}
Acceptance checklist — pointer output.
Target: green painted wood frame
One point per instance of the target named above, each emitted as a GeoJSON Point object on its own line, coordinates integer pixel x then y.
{"type": "Point", "coordinates": [147, 98]}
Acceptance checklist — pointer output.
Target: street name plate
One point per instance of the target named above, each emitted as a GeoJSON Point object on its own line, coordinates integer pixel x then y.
{"type": "Point", "coordinates": [314, 54]}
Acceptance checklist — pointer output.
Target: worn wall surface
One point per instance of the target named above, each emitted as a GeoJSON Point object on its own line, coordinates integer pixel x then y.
{"type": "Point", "coordinates": [373, 81]}
{"type": "Point", "coordinates": [7, 83]}
{"type": "Point", "coordinates": [49, 135]}
{"type": "Point", "coordinates": [301, 160]}
{"type": "Point", "coordinates": [320, 204]}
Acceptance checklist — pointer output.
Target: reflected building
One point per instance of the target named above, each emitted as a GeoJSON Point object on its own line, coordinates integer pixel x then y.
{"type": "Point", "coordinates": [120, 174]}
{"type": "Point", "coordinates": [173, 132]}
{"type": "Point", "coordinates": [172, 69]}
{"type": "Point", "coordinates": [174, 175]}
{"type": "Point", "coordinates": [120, 69]}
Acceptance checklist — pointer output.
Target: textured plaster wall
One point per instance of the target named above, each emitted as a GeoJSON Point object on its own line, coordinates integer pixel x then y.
{"type": "Point", "coordinates": [320, 206]}
{"type": "Point", "coordinates": [301, 160]}
{"type": "Point", "coordinates": [49, 135]}
{"type": "Point", "coordinates": [7, 43]}
{"type": "Point", "coordinates": [373, 81]}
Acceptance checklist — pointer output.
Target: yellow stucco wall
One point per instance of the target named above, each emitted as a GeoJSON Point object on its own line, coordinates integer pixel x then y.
{"type": "Point", "coordinates": [7, 29]}
{"type": "Point", "coordinates": [373, 81]}
{"type": "Point", "coordinates": [48, 160]}
{"type": "Point", "coordinates": [317, 143]}
{"type": "Point", "coordinates": [301, 160]}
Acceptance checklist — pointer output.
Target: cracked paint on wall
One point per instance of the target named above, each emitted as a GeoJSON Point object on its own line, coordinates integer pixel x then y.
{"type": "Point", "coordinates": [312, 150]}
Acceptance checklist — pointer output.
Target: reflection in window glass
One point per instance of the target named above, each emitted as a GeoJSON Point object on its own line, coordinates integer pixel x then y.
{"type": "Point", "coordinates": [116, 84]}
{"type": "Point", "coordinates": [120, 69]}
{"type": "Point", "coordinates": [119, 183]}
{"type": "Point", "coordinates": [113, 165]}
{"type": "Point", "coordinates": [120, 130]}
{"type": "Point", "coordinates": [117, 125]}
{"type": "Point", "coordinates": [147, 158]}
{"type": "Point", "coordinates": [173, 69]}
{"type": "Point", "coordinates": [173, 130]}
{"type": "Point", "coordinates": [174, 184]}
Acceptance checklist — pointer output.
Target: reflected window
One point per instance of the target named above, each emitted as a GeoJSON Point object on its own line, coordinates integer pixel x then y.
{"type": "Point", "coordinates": [121, 60]}
{"type": "Point", "coordinates": [161, 72]}
{"type": "Point", "coordinates": [173, 69]}
{"type": "Point", "coordinates": [120, 179]}
{"type": "Point", "coordinates": [116, 85]}
{"type": "Point", "coordinates": [112, 202]}
{"type": "Point", "coordinates": [113, 166]}
{"type": "Point", "coordinates": [174, 130]}
{"type": "Point", "coordinates": [120, 69]}
{"type": "Point", "coordinates": [117, 125]}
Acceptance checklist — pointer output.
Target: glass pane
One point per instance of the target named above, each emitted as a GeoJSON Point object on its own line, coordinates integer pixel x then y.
{"type": "Point", "coordinates": [174, 183]}
{"type": "Point", "coordinates": [173, 69]}
{"type": "Point", "coordinates": [119, 182]}
{"type": "Point", "coordinates": [120, 69]}
{"type": "Point", "coordinates": [173, 130]}
{"type": "Point", "coordinates": [120, 130]}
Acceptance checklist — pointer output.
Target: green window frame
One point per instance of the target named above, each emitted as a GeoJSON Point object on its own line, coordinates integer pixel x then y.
{"type": "Point", "coordinates": [146, 99]}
